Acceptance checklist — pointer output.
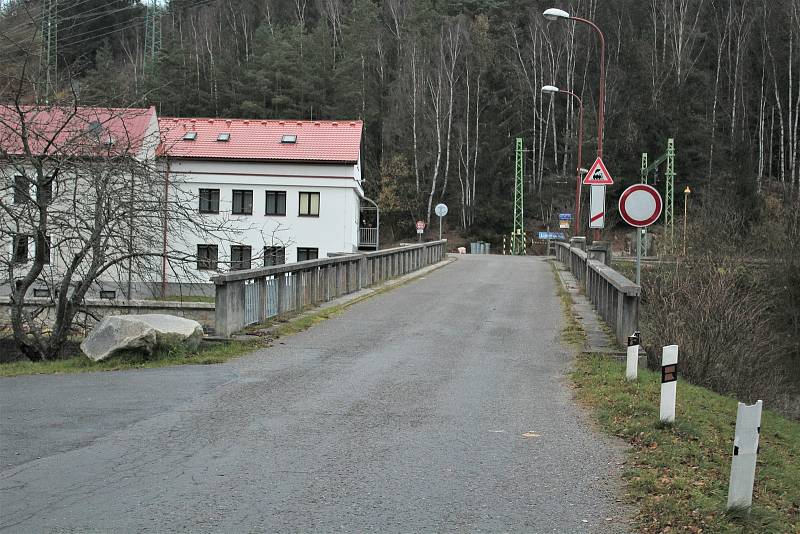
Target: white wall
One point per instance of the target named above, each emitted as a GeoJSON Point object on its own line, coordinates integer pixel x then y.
{"type": "Point", "coordinates": [335, 230]}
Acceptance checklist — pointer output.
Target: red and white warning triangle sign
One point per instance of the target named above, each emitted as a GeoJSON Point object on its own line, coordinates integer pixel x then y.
{"type": "Point", "coordinates": [598, 174]}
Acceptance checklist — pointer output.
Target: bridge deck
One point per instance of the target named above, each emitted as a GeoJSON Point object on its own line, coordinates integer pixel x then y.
{"type": "Point", "coordinates": [441, 405]}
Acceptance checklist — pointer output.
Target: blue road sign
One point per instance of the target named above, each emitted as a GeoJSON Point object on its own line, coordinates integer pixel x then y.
{"type": "Point", "coordinates": [564, 216]}
{"type": "Point", "coordinates": [551, 235]}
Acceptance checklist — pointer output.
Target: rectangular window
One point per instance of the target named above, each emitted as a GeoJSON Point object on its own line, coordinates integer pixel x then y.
{"type": "Point", "coordinates": [309, 204]}
{"type": "Point", "coordinates": [276, 203]}
{"type": "Point", "coordinates": [242, 202]}
{"type": "Point", "coordinates": [41, 292]}
{"type": "Point", "coordinates": [108, 294]}
{"type": "Point", "coordinates": [207, 257]}
{"type": "Point", "coordinates": [21, 248]}
{"type": "Point", "coordinates": [209, 201]}
{"type": "Point", "coordinates": [274, 256]}
{"type": "Point", "coordinates": [22, 190]}
{"type": "Point", "coordinates": [240, 257]}
{"type": "Point", "coordinates": [304, 254]}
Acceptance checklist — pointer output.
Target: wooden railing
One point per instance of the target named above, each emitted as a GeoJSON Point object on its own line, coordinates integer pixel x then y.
{"type": "Point", "coordinates": [251, 296]}
{"type": "Point", "coordinates": [614, 297]}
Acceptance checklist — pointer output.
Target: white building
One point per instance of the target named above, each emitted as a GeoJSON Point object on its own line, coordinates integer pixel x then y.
{"type": "Point", "coordinates": [286, 191]}
{"type": "Point", "coordinates": [292, 189]}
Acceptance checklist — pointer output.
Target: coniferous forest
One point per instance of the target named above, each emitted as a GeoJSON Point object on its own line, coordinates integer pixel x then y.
{"type": "Point", "coordinates": [444, 88]}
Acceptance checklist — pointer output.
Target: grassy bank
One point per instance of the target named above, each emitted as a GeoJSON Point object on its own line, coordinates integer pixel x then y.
{"type": "Point", "coordinates": [207, 353]}
{"type": "Point", "coordinates": [678, 475]}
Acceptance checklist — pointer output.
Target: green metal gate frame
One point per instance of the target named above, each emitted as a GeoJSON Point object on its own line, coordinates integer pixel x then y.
{"type": "Point", "coordinates": [669, 191]}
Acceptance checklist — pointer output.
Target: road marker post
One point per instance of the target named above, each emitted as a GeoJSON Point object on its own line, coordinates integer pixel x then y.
{"type": "Point", "coordinates": [632, 362]}
{"type": "Point", "coordinates": [669, 382]}
{"type": "Point", "coordinates": [745, 452]}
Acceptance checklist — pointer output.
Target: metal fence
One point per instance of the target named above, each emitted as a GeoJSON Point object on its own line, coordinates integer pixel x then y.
{"type": "Point", "coordinates": [614, 297]}
{"type": "Point", "coordinates": [251, 296]}
{"type": "Point", "coordinates": [368, 237]}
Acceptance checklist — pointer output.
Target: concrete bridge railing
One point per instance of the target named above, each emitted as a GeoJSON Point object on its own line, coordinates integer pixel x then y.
{"type": "Point", "coordinates": [614, 297]}
{"type": "Point", "coordinates": [251, 296]}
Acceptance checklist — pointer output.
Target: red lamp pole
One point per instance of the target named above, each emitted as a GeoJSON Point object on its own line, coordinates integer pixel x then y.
{"type": "Point", "coordinates": [601, 107]}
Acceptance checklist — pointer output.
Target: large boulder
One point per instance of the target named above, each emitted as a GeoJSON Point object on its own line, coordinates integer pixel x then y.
{"type": "Point", "coordinates": [145, 332]}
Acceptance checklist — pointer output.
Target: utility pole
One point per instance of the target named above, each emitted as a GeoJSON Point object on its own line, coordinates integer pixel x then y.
{"type": "Point", "coordinates": [49, 56]}
{"type": "Point", "coordinates": [518, 235]}
{"type": "Point", "coordinates": [669, 202]}
{"type": "Point", "coordinates": [152, 33]}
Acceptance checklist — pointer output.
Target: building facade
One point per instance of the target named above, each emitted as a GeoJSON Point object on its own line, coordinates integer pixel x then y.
{"type": "Point", "coordinates": [286, 190]}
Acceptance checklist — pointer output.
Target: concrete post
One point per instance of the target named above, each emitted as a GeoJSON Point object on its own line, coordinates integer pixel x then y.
{"type": "Point", "coordinates": [745, 451]}
{"type": "Point", "coordinates": [600, 251]}
{"type": "Point", "coordinates": [229, 308]}
{"type": "Point", "coordinates": [632, 360]}
{"type": "Point", "coordinates": [577, 242]}
{"type": "Point", "coordinates": [669, 382]}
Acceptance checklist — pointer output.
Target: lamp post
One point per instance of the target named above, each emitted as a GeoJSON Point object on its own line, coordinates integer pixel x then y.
{"type": "Point", "coordinates": [685, 214]}
{"type": "Point", "coordinates": [560, 14]}
{"type": "Point", "coordinates": [550, 89]}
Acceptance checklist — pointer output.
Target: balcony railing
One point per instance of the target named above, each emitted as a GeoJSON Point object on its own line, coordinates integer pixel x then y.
{"type": "Point", "coordinates": [367, 237]}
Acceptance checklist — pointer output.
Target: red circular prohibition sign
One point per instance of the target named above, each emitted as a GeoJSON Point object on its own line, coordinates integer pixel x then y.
{"type": "Point", "coordinates": [639, 219]}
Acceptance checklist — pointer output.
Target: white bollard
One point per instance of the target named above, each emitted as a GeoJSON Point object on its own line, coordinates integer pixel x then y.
{"type": "Point", "coordinates": [669, 382]}
{"type": "Point", "coordinates": [632, 363]}
{"type": "Point", "coordinates": [745, 450]}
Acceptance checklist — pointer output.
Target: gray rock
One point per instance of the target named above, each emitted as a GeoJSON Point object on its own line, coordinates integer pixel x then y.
{"type": "Point", "coordinates": [146, 332]}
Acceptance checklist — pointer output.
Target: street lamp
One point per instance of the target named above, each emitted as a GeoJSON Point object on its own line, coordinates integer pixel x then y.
{"type": "Point", "coordinates": [560, 14]}
{"type": "Point", "coordinates": [551, 90]}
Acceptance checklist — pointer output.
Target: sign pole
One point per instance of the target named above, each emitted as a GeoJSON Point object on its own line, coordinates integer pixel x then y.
{"type": "Point", "coordinates": [440, 228]}
{"type": "Point", "coordinates": [638, 256]}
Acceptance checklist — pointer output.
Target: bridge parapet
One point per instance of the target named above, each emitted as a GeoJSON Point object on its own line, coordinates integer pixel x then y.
{"type": "Point", "coordinates": [614, 297]}
{"type": "Point", "coordinates": [251, 296]}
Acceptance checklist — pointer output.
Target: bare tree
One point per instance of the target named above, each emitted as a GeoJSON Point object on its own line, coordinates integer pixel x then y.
{"type": "Point", "coordinates": [84, 201]}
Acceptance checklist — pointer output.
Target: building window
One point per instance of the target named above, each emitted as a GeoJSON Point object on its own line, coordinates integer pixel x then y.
{"type": "Point", "coordinates": [309, 204]}
{"type": "Point", "coordinates": [242, 202]}
{"type": "Point", "coordinates": [207, 257]}
{"type": "Point", "coordinates": [209, 201]}
{"type": "Point", "coordinates": [22, 190]}
{"type": "Point", "coordinates": [276, 203]}
{"type": "Point", "coordinates": [41, 292]}
{"type": "Point", "coordinates": [274, 256]}
{"type": "Point", "coordinates": [108, 294]}
{"type": "Point", "coordinates": [240, 257]}
{"type": "Point", "coordinates": [21, 248]}
{"type": "Point", "coordinates": [304, 254]}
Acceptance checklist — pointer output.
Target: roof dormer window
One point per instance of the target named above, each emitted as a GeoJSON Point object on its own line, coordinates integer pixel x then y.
{"type": "Point", "coordinates": [190, 136]}
{"type": "Point", "coordinates": [224, 137]}
{"type": "Point", "coordinates": [289, 139]}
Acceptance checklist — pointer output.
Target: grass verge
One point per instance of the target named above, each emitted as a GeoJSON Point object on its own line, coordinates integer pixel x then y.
{"type": "Point", "coordinates": [678, 475]}
{"type": "Point", "coordinates": [207, 353]}
{"type": "Point", "coordinates": [573, 333]}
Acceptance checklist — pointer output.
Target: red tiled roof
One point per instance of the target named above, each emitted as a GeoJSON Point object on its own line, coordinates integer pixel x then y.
{"type": "Point", "coordinates": [317, 141]}
{"type": "Point", "coordinates": [84, 131]}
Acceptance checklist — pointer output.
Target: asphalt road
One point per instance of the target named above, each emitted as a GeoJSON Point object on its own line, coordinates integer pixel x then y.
{"type": "Point", "coordinates": [439, 406]}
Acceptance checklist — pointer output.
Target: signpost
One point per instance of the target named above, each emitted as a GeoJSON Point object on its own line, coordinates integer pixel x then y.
{"type": "Point", "coordinates": [420, 229]}
{"type": "Point", "coordinates": [441, 211]}
{"type": "Point", "coordinates": [640, 206]}
{"type": "Point", "coordinates": [669, 383]}
{"type": "Point", "coordinates": [598, 178]}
